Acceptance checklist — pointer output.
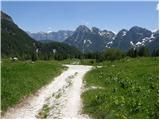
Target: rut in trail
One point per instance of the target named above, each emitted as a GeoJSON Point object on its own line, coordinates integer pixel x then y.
{"type": "Point", "coordinates": [59, 99]}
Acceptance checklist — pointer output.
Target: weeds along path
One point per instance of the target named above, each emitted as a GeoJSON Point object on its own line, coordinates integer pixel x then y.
{"type": "Point", "coordinates": [59, 99]}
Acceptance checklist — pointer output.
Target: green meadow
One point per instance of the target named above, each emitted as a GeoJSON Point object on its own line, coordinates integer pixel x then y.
{"type": "Point", "coordinates": [22, 78]}
{"type": "Point", "coordinates": [126, 88]}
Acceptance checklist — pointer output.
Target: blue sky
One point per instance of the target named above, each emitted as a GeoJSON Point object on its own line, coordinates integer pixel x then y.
{"type": "Point", "coordinates": [54, 16]}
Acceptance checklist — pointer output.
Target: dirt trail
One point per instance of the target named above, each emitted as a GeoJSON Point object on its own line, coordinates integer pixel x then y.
{"type": "Point", "coordinates": [59, 99]}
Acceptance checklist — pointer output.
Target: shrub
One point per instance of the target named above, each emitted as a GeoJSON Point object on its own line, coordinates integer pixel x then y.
{"type": "Point", "coordinates": [113, 54]}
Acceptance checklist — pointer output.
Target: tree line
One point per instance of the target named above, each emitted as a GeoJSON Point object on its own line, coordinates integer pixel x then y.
{"type": "Point", "coordinates": [61, 51]}
{"type": "Point", "coordinates": [116, 54]}
{"type": "Point", "coordinates": [56, 51]}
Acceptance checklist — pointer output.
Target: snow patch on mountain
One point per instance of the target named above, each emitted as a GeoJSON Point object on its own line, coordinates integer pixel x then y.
{"type": "Point", "coordinates": [138, 43]}
{"type": "Point", "coordinates": [131, 43]}
{"type": "Point", "coordinates": [124, 33]}
{"type": "Point", "coordinates": [87, 41]}
{"type": "Point", "coordinates": [152, 36]}
{"type": "Point", "coordinates": [109, 44]}
{"type": "Point", "coordinates": [144, 41]}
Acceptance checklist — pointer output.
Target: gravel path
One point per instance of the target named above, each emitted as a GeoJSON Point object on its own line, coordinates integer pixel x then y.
{"type": "Point", "coordinates": [59, 99]}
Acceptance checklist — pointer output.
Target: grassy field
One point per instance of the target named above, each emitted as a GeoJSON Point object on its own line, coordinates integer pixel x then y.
{"type": "Point", "coordinates": [19, 79]}
{"type": "Point", "coordinates": [126, 88]}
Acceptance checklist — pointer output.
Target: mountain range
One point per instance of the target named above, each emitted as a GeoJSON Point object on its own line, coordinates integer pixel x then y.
{"type": "Point", "coordinates": [58, 36]}
{"type": "Point", "coordinates": [94, 39]}
{"type": "Point", "coordinates": [89, 40]}
{"type": "Point", "coordinates": [17, 42]}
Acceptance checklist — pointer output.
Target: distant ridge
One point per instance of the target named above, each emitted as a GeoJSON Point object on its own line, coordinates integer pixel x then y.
{"type": "Point", "coordinates": [94, 39]}
{"type": "Point", "coordinates": [58, 36]}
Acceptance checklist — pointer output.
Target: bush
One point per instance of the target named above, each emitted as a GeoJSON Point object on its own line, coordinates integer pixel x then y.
{"type": "Point", "coordinates": [113, 54]}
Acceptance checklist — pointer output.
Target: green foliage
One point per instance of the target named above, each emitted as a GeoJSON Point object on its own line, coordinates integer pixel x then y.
{"type": "Point", "coordinates": [63, 51]}
{"type": "Point", "coordinates": [132, 52]}
{"type": "Point", "coordinates": [44, 112]}
{"type": "Point", "coordinates": [34, 57]}
{"type": "Point", "coordinates": [113, 54]}
{"type": "Point", "coordinates": [135, 52]}
{"type": "Point", "coordinates": [15, 42]}
{"type": "Point", "coordinates": [87, 61]}
{"type": "Point", "coordinates": [128, 89]}
{"type": "Point", "coordinates": [155, 53]}
{"type": "Point", "coordinates": [110, 54]}
{"type": "Point", "coordinates": [143, 51]}
{"type": "Point", "coordinates": [20, 79]}
{"type": "Point", "coordinates": [92, 55]}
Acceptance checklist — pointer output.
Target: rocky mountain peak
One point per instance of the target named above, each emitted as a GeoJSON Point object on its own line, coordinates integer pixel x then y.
{"type": "Point", "coordinates": [122, 32]}
{"type": "Point", "coordinates": [95, 30]}
{"type": "Point", "coordinates": [83, 28]}
{"type": "Point", "coordinates": [137, 29]}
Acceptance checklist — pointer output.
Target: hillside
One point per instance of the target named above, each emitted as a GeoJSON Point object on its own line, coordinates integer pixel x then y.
{"type": "Point", "coordinates": [15, 42]}
{"type": "Point", "coordinates": [57, 50]}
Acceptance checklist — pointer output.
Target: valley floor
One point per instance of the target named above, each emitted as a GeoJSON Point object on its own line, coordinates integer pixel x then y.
{"type": "Point", "coordinates": [126, 88]}
{"type": "Point", "coordinates": [59, 99]}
